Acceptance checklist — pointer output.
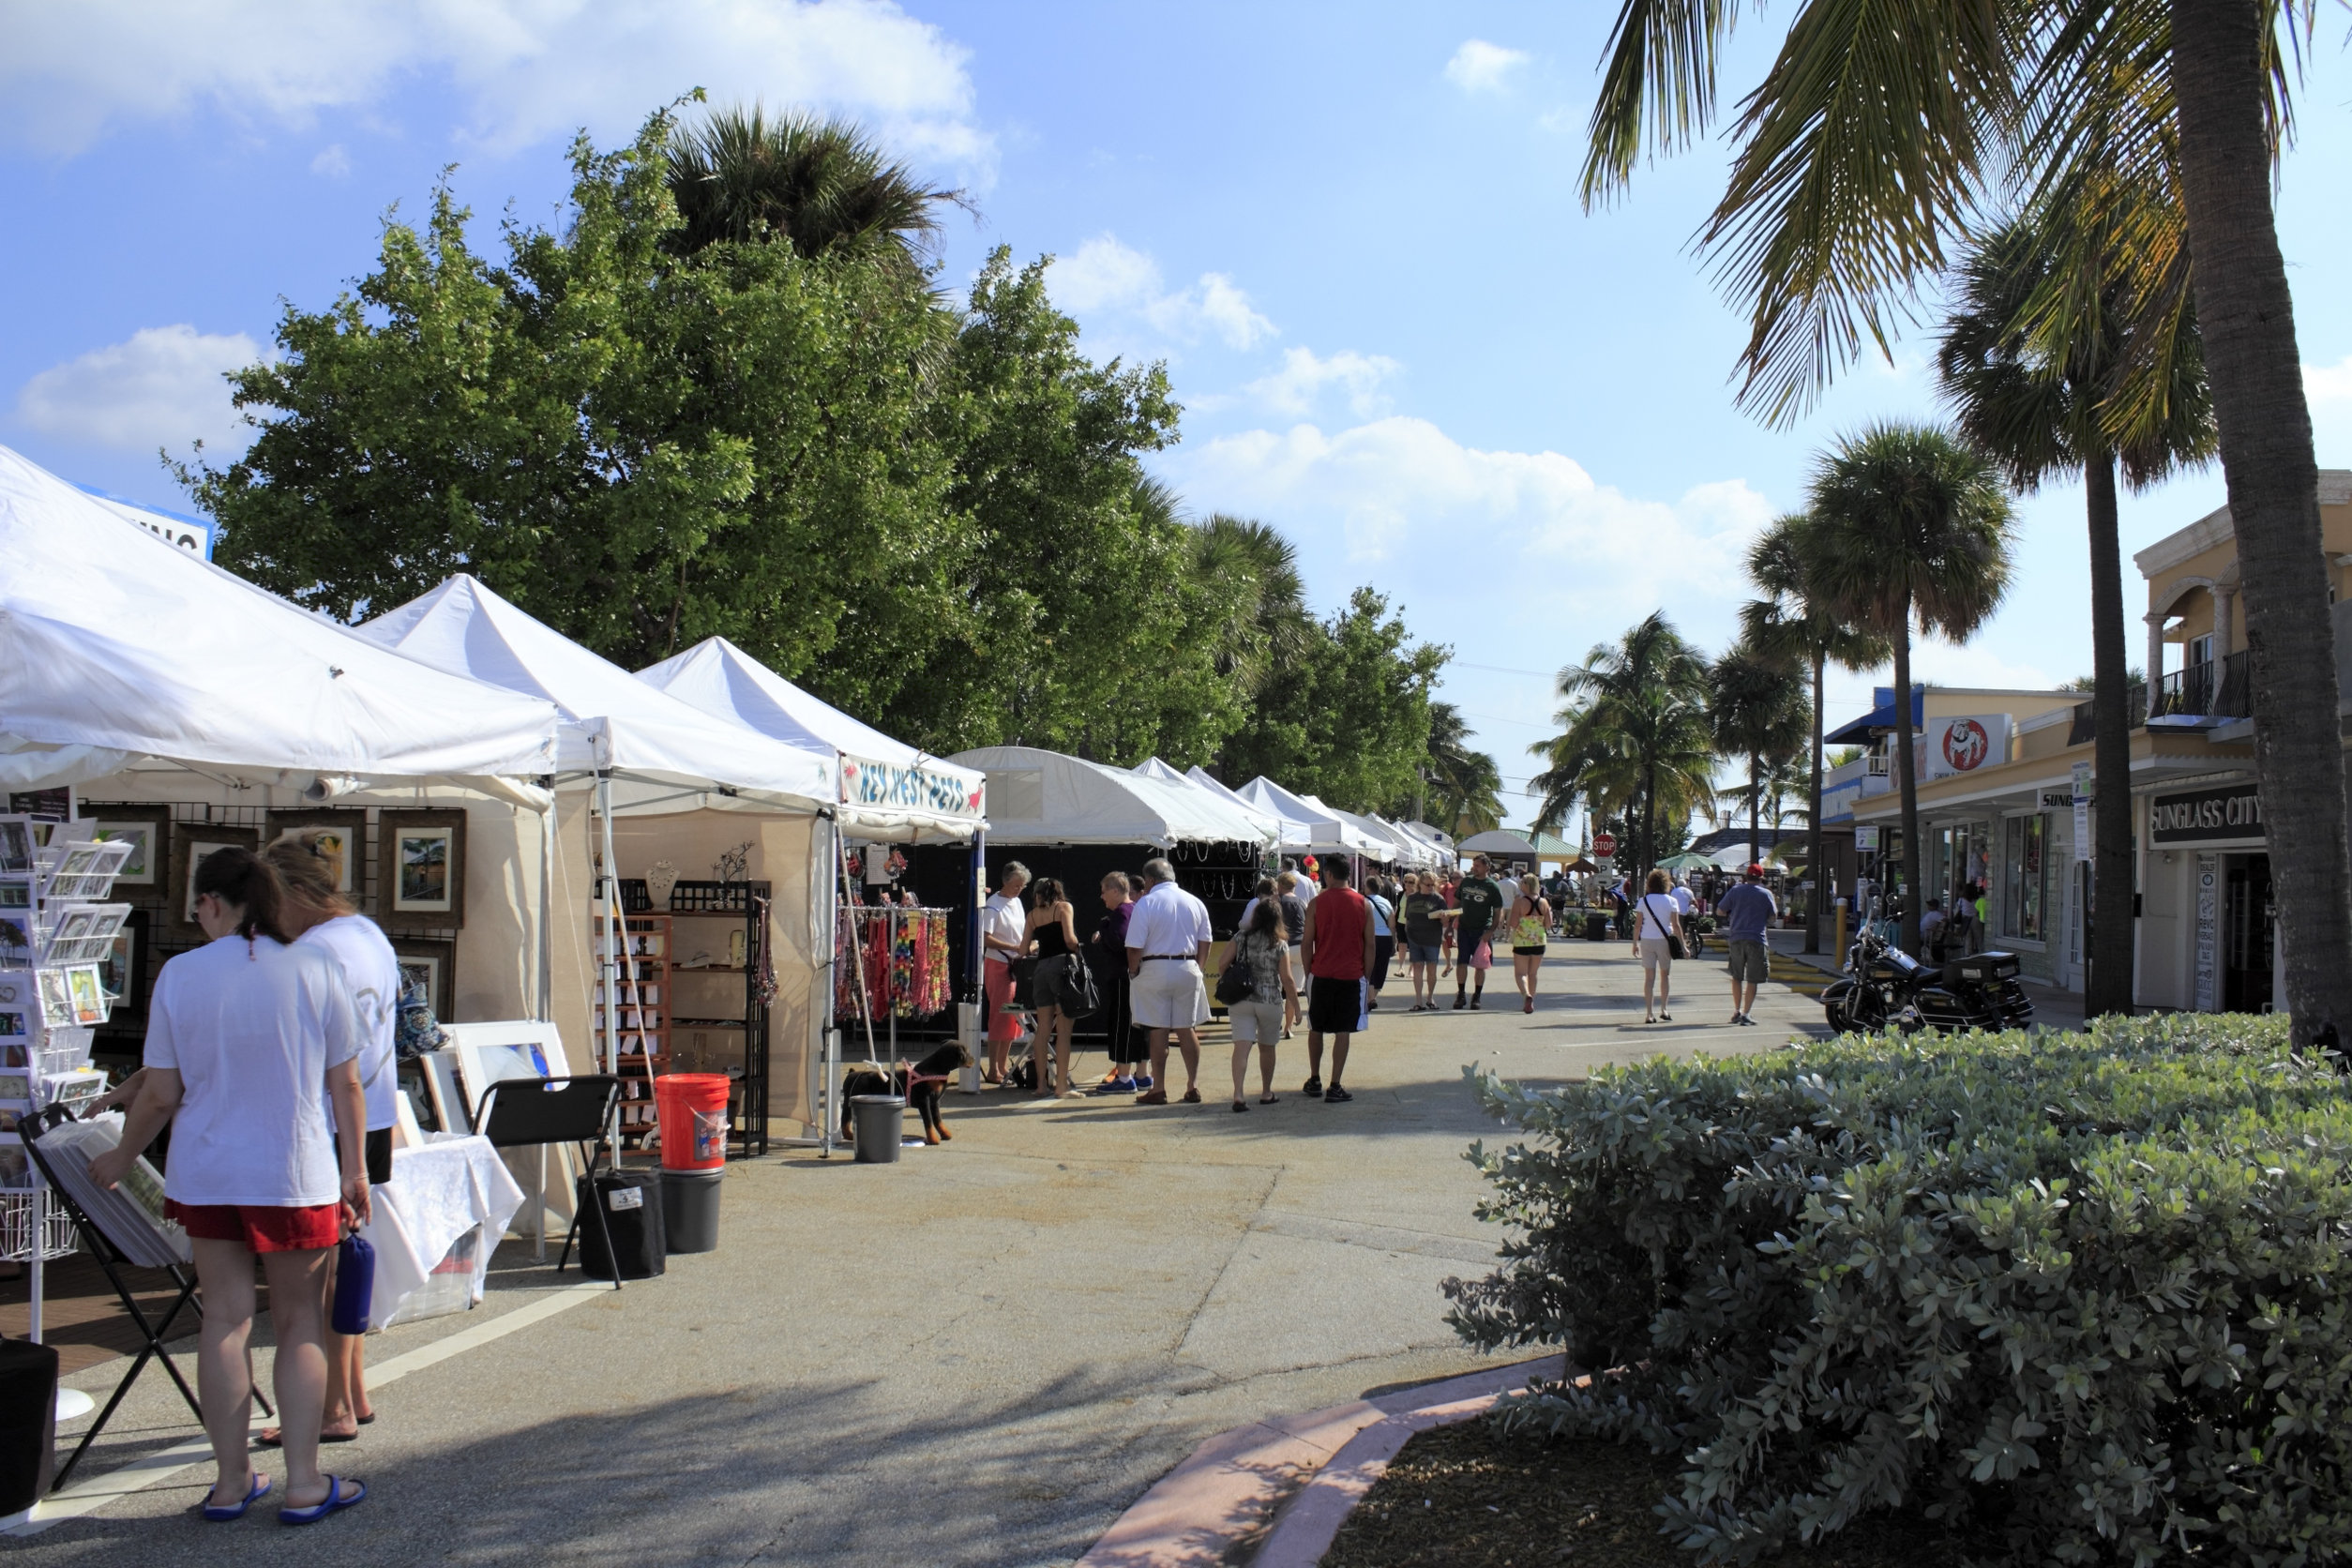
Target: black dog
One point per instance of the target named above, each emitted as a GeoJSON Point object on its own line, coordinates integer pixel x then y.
{"type": "Point", "coordinates": [922, 1097]}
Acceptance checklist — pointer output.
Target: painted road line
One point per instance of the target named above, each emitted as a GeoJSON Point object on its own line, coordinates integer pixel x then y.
{"type": "Point", "coordinates": [86, 1498]}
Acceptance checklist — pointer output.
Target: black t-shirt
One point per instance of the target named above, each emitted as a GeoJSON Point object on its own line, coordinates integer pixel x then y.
{"type": "Point", "coordinates": [1422, 924]}
{"type": "Point", "coordinates": [1480, 903]}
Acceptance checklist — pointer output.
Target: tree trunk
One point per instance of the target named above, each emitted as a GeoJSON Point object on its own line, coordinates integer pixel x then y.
{"type": "Point", "coordinates": [1648, 818]}
{"type": "Point", "coordinates": [2246, 318]}
{"type": "Point", "coordinates": [2109, 985]}
{"type": "Point", "coordinates": [1756, 802]}
{"type": "Point", "coordinates": [1819, 872]}
{"type": "Point", "coordinates": [1904, 782]}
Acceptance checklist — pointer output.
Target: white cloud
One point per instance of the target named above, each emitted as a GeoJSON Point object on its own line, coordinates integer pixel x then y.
{"type": "Point", "coordinates": [1400, 491]}
{"type": "Point", "coordinates": [2329, 382]}
{"type": "Point", "coordinates": [1295, 388]}
{"type": "Point", "coordinates": [1108, 277]}
{"type": "Point", "coordinates": [163, 387]}
{"type": "Point", "coordinates": [528, 68]}
{"type": "Point", "coordinates": [333, 163]}
{"type": "Point", "coordinates": [1480, 67]}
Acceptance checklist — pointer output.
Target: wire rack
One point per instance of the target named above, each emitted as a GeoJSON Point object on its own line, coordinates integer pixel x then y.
{"type": "Point", "coordinates": [17, 1223]}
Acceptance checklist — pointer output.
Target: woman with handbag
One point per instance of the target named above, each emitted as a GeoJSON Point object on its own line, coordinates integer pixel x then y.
{"type": "Point", "coordinates": [1657, 942]}
{"type": "Point", "coordinates": [1259, 991]}
{"type": "Point", "coordinates": [1060, 988]}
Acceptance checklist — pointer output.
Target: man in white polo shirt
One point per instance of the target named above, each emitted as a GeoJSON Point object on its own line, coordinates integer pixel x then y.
{"type": "Point", "coordinates": [1167, 943]}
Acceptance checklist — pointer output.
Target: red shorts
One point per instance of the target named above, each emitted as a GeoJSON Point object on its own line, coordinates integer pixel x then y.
{"type": "Point", "coordinates": [259, 1227]}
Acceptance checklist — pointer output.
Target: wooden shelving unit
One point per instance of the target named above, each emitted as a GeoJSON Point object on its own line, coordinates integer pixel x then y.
{"type": "Point", "coordinates": [644, 1006]}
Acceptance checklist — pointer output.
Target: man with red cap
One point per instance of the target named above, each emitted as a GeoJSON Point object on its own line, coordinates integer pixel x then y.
{"type": "Point", "coordinates": [1747, 912]}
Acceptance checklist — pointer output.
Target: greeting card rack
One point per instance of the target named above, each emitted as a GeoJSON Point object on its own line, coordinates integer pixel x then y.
{"type": "Point", "coordinates": [643, 1017]}
{"type": "Point", "coordinates": [57, 932]}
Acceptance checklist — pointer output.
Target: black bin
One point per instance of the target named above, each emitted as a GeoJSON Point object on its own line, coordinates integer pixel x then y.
{"type": "Point", "coordinates": [631, 1200]}
{"type": "Point", "coordinates": [689, 1210]}
{"type": "Point", "coordinates": [878, 1118]}
{"type": "Point", "coordinates": [28, 1423]}
{"type": "Point", "coordinates": [1596, 928]}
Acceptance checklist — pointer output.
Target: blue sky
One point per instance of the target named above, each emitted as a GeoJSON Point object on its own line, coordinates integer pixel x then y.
{"type": "Point", "coordinates": [1351, 230]}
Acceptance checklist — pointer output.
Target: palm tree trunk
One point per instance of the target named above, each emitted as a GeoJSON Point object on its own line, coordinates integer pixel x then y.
{"type": "Point", "coordinates": [1908, 785]}
{"type": "Point", "coordinates": [2109, 985]}
{"type": "Point", "coordinates": [1756, 801]}
{"type": "Point", "coordinates": [1813, 825]}
{"type": "Point", "coordinates": [1648, 818]}
{"type": "Point", "coordinates": [2246, 317]}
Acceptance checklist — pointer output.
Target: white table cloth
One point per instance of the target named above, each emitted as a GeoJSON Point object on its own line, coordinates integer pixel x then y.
{"type": "Point", "coordinates": [437, 1194]}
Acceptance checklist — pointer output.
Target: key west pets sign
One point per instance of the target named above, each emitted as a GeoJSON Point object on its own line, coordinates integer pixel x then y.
{"type": "Point", "coordinates": [864, 783]}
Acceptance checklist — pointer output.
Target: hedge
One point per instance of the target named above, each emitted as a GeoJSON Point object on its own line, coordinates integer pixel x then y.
{"type": "Point", "coordinates": [2081, 1294]}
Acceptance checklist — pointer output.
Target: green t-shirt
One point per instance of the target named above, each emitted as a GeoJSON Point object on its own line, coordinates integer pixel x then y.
{"type": "Point", "coordinates": [1480, 903]}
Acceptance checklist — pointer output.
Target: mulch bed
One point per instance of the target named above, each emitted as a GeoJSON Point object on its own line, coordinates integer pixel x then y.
{"type": "Point", "coordinates": [1458, 1497]}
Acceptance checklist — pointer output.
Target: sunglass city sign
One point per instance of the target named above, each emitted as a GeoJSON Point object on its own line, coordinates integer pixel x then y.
{"type": "Point", "coordinates": [2206, 817]}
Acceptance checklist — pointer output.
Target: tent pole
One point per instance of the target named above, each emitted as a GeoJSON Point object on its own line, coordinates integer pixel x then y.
{"type": "Point", "coordinates": [612, 952]}
{"type": "Point", "coordinates": [830, 1064]}
{"type": "Point", "coordinates": [547, 907]}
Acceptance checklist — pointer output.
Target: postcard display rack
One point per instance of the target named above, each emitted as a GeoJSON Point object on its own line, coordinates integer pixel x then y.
{"type": "Point", "coordinates": [677, 1002]}
{"type": "Point", "coordinates": [56, 929]}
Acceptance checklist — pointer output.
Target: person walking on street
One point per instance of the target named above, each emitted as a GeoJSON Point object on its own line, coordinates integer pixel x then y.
{"type": "Point", "coordinates": [1747, 911]}
{"type": "Point", "coordinates": [1530, 924]}
{"type": "Point", "coordinates": [1108, 952]}
{"type": "Point", "coordinates": [250, 1039]}
{"type": "Point", "coordinates": [1053, 989]}
{"type": "Point", "coordinates": [1384, 934]}
{"type": "Point", "coordinates": [1004, 936]}
{"type": "Point", "coordinates": [1274, 996]}
{"type": "Point", "coordinates": [1657, 928]}
{"type": "Point", "coordinates": [1424, 914]}
{"type": "Point", "coordinates": [1168, 949]}
{"type": "Point", "coordinates": [1479, 903]}
{"type": "Point", "coordinates": [1339, 949]}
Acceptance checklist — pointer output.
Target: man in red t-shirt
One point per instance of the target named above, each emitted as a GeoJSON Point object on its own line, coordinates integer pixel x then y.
{"type": "Point", "coordinates": [1338, 950]}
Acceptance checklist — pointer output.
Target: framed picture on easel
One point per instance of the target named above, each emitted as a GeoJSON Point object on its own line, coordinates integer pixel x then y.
{"type": "Point", "coordinates": [420, 870]}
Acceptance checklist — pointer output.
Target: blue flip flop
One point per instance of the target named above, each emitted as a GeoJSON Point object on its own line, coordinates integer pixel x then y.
{"type": "Point", "coordinates": [336, 1499]}
{"type": "Point", "coordinates": [215, 1515]}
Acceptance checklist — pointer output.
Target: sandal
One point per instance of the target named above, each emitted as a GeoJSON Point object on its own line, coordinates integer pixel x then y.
{"type": "Point", "coordinates": [337, 1499]}
{"type": "Point", "coordinates": [275, 1437]}
{"type": "Point", "coordinates": [1240, 1105]}
{"type": "Point", "coordinates": [1268, 1100]}
{"type": "Point", "coordinates": [216, 1514]}
{"type": "Point", "coordinates": [1191, 1096]}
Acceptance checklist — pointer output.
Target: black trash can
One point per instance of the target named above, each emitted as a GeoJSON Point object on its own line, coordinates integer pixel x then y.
{"type": "Point", "coordinates": [28, 1423]}
{"type": "Point", "coordinates": [878, 1118]}
{"type": "Point", "coordinates": [1596, 928]}
{"type": "Point", "coordinates": [689, 1210]}
{"type": "Point", "coordinates": [631, 1200]}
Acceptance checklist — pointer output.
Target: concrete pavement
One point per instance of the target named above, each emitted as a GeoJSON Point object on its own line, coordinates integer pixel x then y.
{"type": "Point", "coordinates": [979, 1355]}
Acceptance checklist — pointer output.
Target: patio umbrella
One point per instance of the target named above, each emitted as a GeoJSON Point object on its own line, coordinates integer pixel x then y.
{"type": "Point", "coordinates": [1684, 862]}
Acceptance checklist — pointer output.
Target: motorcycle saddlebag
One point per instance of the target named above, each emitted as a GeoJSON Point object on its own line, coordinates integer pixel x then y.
{"type": "Point", "coordinates": [1981, 969]}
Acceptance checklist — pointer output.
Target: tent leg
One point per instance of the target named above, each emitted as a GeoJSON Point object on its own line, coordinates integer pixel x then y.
{"type": "Point", "coordinates": [612, 951]}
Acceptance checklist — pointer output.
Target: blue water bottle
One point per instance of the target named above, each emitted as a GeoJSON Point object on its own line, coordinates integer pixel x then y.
{"type": "Point", "coordinates": [354, 1285]}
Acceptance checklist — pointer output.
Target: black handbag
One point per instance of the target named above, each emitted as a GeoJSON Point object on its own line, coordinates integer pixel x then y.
{"type": "Point", "coordinates": [1081, 997]}
{"type": "Point", "coordinates": [1235, 982]}
{"type": "Point", "coordinates": [1674, 943]}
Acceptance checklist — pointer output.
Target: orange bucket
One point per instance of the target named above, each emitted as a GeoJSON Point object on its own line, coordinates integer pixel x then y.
{"type": "Point", "coordinates": [693, 1111]}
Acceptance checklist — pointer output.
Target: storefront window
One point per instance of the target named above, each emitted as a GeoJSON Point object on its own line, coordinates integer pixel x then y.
{"type": "Point", "coordinates": [2026, 877]}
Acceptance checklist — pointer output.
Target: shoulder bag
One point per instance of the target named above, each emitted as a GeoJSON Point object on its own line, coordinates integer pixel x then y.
{"type": "Point", "coordinates": [1674, 943]}
{"type": "Point", "coordinates": [1235, 982]}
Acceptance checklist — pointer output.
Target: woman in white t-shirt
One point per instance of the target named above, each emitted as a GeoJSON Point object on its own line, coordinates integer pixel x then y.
{"type": "Point", "coordinates": [316, 914]}
{"type": "Point", "coordinates": [249, 1038]}
{"type": "Point", "coordinates": [1656, 917]}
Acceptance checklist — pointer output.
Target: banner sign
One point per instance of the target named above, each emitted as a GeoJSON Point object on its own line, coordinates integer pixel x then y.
{"type": "Point", "coordinates": [917, 789]}
{"type": "Point", "coordinates": [1970, 743]}
{"type": "Point", "coordinates": [2082, 812]}
{"type": "Point", "coordinates": [2227, 816]}
{"type": "Point", "coordinates": [189, 533]}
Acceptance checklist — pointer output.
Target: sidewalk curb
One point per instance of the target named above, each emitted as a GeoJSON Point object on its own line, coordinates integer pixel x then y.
{"type": "Point", "coordinates": [1192, 1517]}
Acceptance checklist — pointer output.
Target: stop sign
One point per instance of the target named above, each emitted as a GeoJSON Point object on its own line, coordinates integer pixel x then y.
{"type": "Point", "coordinates": [1604, 845]}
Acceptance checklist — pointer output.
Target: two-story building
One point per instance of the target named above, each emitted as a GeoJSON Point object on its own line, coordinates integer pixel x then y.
{"type": "Point", "coordinates": [2021, 828]}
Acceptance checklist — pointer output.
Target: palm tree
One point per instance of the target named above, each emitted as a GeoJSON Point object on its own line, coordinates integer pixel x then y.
{"type": "Point", "coordinates": [2039, 409]}
{"type": "Point", "coordinates": [1466, 786]}
{"type": "Point", "coordinates": [1634, 729]}
{"type": "Point", "coordinates": [1867, 149]}
{"type": "Point", "coordinates": [1794, 622]}
{"type": "Point", "coordinates": [1909, 524]}
{"type": "Point", "coordinates": [1270, 627]}
{"type": "Point", "coordinates": [1756, 708]}
{"type": "Point", "coordinates": [815, 184]}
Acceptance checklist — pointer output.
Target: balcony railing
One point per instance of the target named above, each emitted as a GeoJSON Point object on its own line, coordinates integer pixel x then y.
{"type": "Point", "coordinates": [2214, 689]}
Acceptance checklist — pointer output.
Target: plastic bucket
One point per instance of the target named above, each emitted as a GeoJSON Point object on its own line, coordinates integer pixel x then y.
{"type": "Point", "coordinates": [693, 1111]}
{"type": "Point", "coordinates": [689, 1210]}
{"type": "Point", "coordinates": [878, 1118]}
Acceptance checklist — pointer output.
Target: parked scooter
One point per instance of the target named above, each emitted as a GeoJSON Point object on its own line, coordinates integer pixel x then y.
{"type": "Point", "coordinates": [1883, 985]}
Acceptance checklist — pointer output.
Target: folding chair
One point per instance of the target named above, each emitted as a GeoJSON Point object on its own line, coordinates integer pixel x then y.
{"type": "Point", "coordinates": [113, 1259]}
{"type": "Point", "coordinates": [522, 1113]}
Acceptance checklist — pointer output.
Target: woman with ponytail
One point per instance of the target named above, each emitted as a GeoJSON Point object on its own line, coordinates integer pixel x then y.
{"type": "Point", "coordinates": [250, 1039]}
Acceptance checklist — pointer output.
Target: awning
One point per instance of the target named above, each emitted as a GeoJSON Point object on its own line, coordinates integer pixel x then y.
{"type": "Point", "coordinates": [1881, 718]}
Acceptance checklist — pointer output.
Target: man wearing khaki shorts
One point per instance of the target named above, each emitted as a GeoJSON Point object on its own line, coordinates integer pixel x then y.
{"type": "Point", "coordinates": [1168, 948]}
{"type": "Point", "coordinates": [1747, 912]}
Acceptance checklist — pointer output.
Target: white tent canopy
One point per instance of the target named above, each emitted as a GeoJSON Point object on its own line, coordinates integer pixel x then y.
{"type": "Point", "coordinates": [1285, 833]}
{"type": "Point", "coordinates": [1412, 849]}
{"type": "Point", "coordinates": [115, 645]}
{"type": "Point", "coordinates": [888, 788]}
{"type": "Point", "coordinates": [618, 722]}
{"type": "Point", "coordinates": [1269, 828]}
{"type": "Point", "coordinates": [1043, 797]}
{"type": "Point", "coordinates": [1327, 830]}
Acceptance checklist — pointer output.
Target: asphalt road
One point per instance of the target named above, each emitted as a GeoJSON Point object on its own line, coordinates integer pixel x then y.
{"type": "Point", "coordinates": [979, 1355]}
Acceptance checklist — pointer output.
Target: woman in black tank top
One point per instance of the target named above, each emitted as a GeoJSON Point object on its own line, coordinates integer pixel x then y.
{"type": "Point", "coordinates": [1053, 988]}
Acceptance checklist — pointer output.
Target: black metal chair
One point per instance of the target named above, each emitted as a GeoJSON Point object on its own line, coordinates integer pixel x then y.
{"type": "Point", "coordinates": [523, 1114]}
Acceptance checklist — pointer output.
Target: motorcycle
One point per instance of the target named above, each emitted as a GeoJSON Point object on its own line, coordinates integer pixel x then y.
{"type": "Point", "coordinates": [1883, 985]}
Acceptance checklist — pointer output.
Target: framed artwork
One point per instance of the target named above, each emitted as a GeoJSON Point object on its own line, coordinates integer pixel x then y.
{"type": "Point", "coordinates": [350, 825]}
{"type": "Point", "coordinates": [445, 1087]}
{"type": "Point", "coordinates": [192, 843]}
{"type": "Point", "coordinates": [435, 963]}
{"type": "Point", "coordinates": [16, 845]}
{"type": "Point", "coordinates": [146, 828]}
{"type": "Point", "coordinates": [420, 870]}
{"type": "Point", "coordinates": [123, 970]}
{"type": "Point", "coordinates": [492, 1053]}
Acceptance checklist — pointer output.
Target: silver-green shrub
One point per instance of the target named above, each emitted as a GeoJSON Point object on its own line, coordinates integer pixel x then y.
{"type": "Point", "coordinates": [2082, 1294]}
